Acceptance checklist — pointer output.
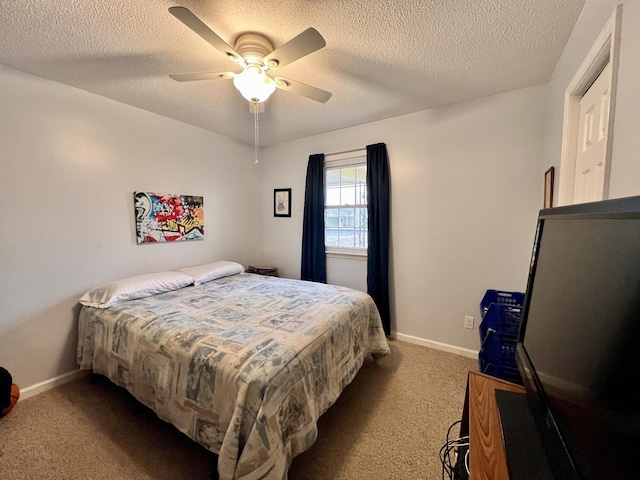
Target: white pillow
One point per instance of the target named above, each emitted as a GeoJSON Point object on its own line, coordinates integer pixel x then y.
{"type": "Point", "coordinates": [131, 288]}
{"type": "Point", "coordinates": [212, 271]}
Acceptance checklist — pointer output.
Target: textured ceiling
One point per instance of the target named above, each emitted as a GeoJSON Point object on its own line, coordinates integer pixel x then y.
{"type": "Point", "coordinates": [383, 57]}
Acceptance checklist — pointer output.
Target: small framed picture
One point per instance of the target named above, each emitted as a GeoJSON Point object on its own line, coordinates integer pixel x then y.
{"type": "Point", "coordinates": [282, 202]}
{"type": "Point", "coordinates": [548, 188]}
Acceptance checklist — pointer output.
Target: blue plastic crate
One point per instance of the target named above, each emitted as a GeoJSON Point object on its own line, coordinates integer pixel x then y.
{"type": "Point", "coordinates": [499, 348]}
{"type": "Point", "coordinates": [504, 372]}
{"type": "Point", "coordinates": [504, 320]}
{"type": "Point", "coordinates": [499, 329]}
{"type": "Point", "coordinates": [499, 334]}
{"type": "Point", "coordinates": [499, 297]}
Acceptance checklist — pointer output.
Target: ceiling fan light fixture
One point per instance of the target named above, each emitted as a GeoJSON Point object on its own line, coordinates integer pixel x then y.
{"type": "Point", "coordinates": [254, 85]}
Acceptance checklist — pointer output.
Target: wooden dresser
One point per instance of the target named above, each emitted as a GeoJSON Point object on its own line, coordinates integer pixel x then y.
{"type": "Point", "coordinates": [481, 421]}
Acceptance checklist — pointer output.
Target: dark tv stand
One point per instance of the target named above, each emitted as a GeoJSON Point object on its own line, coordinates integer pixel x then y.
{"type": "Point", "coordinates": [481, 421]}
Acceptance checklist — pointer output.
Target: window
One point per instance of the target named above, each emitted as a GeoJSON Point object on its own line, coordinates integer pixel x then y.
{"type": "Point", "coordinates": [345, 210]}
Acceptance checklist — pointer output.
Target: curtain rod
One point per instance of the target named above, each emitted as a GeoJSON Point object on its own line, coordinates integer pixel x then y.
{"type": "Point", "coordinates": [346, 151]}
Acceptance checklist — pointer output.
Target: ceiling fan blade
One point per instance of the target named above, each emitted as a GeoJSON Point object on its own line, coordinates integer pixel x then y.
{"type": "Point", "coordinates": [194, 23]}
{"type": "Point", "coordinates": [299, 88]}
{"type": "Point", "coordinates": [192, 77]}
{"type": "Point", "coordinates": [307, 42]}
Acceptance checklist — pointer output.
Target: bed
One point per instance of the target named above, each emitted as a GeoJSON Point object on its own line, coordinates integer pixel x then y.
{"type": "Point", "coordinates": [243, 364]}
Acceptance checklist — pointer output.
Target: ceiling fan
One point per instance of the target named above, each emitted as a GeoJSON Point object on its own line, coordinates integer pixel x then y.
{"type": "Point", "coordinates": [255, 54]}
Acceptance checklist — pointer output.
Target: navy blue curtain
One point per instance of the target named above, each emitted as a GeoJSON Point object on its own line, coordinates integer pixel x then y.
{"type": "Point", "coordinates": [314, 261]}
{"type": "Point", "coordinates": [378, 200]}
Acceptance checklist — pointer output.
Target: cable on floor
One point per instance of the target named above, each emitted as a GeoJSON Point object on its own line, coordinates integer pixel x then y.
{"type": "Point", "coordinates": [449, 452]}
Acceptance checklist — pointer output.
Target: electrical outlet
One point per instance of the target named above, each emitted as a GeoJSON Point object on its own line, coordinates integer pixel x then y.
{"type": "Point", "coordinates": [468, 323]}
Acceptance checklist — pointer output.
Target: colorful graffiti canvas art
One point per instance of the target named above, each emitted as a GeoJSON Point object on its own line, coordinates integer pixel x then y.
{"type": "Point", "coordinates": [168, 218]}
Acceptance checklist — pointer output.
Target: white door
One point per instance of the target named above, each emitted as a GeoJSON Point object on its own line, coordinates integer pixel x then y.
{"type": "Point", "coordinates": [591, 156]}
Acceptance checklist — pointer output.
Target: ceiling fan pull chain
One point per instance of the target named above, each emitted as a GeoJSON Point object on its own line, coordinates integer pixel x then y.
{"type": "Point", "coordinates": [255, 127]}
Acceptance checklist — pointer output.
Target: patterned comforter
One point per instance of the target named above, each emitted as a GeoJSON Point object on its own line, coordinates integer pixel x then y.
{"type": "Point", "coordinates": [243, 365]}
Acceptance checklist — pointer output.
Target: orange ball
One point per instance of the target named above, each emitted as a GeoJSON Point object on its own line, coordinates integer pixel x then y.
{"type": "Point", "coordinates": [15, 395]}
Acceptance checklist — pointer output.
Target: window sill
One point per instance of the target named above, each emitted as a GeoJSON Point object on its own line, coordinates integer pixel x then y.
{"type": "Point", "coordinates": [346, 254]}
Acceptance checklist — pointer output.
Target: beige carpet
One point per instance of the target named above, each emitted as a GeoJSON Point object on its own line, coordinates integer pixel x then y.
{"type": "Point", "coordinates": [388, 424]}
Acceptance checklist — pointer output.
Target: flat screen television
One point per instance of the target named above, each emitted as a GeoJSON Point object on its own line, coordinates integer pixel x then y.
{"type": "Point", "coordinates": [578, 350]}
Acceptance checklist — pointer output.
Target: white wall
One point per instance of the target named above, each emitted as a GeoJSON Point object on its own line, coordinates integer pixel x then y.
{"type": "Point", "coordinates": [347, 271]}
{"type": "Point", "coordinates": [70, 164]}
{"type": "Point", "coordinates": [466, 187]}
{"type": "Point", "coordinates": [625, 166]}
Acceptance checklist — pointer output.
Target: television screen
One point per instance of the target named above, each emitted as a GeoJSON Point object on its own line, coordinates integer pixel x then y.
{"type": "Point", "coordinates": [579, 346]}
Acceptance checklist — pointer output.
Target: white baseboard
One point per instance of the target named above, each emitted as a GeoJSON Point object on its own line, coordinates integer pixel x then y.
{"type": "Point", "coordinates": [51, 383]}
{"type": "Point", "coordinates": [465, 352]}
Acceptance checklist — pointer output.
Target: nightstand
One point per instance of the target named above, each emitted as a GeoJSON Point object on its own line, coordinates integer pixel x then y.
{"type": "Point", "coordinates": [270, 271]}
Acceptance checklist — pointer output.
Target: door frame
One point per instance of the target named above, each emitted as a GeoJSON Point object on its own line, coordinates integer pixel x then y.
{"type": "Point", "coordinates": [605, 49]}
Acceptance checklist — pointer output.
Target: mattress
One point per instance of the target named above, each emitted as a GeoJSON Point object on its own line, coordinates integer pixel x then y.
{"type": "Point", "coordinates": [243, 365]}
